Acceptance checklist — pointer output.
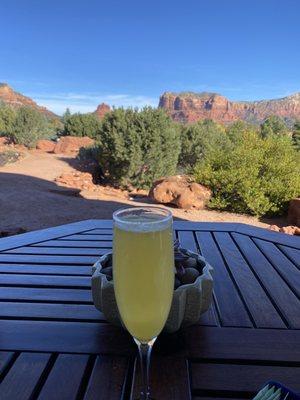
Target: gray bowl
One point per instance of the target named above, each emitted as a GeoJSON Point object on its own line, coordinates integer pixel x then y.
{"type": "Point", "coordinates": [189, 300]}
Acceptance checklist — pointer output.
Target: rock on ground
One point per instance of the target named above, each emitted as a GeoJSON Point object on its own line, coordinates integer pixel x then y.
{"type": "Point", "coordinates": [181, 191]}
{"type": "Point", "coordinates": [46, 145]}
{"type": "Point", "coordinates": [289, 230]}
{"type": "Point", "coordinates": [72, 144]}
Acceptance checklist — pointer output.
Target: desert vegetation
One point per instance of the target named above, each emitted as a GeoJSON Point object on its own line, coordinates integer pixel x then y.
{"type": "Point", "coordinates": [251, 169]}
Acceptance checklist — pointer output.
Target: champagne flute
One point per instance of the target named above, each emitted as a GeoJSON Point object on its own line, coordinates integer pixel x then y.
{"type": "Point", "coordinates": [143, 273]}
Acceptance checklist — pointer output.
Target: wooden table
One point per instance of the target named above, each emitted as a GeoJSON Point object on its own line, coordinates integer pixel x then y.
{"type": "Point", "coordinates": [56, 346]}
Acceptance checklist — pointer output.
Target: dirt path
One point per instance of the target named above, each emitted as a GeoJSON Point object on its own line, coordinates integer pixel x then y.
{"type": "Point", "coordinates": [30, 199]}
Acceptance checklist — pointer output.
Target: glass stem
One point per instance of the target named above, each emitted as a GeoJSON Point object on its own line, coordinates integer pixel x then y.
{"type": "Point", "coordinates": [145, 350]}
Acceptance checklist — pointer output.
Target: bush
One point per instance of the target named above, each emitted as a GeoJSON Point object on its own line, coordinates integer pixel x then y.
{"type": "Point", "coordinates": [257, 176]}
{"type": "Point", "coordinates": [7, 117]}
{"type": "Point", "coordinates": [198, 139]}
{"type": "Point", "coordinates": [274, 125]}
{"type": "Point", "coordinates": [137, 147]}
{"type": "Point", "coordinates": [81, 125]}
{"type": "Point", "coordinates": [296, 136]}
{"type": "Point", "coordinates": [29, 126]}
{"type": "Point", "coordinates": [236, 129]}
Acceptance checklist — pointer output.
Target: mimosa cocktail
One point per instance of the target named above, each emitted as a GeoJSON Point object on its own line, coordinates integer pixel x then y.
{"type": "Point", "coordinates": [143, 273]}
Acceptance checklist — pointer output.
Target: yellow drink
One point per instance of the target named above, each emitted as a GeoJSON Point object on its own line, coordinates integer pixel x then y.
{"type": "Point", "coordinates": [143, 273]}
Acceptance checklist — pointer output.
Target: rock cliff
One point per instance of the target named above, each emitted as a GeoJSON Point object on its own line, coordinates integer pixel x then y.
{"type": "Point", "coordinates": [15, 99]}
{"type": "Point", "coordinates": [190, 107]}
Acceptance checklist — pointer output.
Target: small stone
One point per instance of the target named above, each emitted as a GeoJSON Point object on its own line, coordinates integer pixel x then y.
{"type": "Point", "coordinates": [191, 274]}
{"type": "Point", "coordinates": [177, 283]}
{"type": "Point", "coordinates": [190, 262]}
{"type": "Point", "coordinates": [180, 270]}
{"type": "Point", "coordinates": [107, 271]}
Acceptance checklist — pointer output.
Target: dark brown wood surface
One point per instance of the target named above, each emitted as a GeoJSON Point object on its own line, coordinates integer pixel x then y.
{"type": "Point", "coordinates": [54, 344]}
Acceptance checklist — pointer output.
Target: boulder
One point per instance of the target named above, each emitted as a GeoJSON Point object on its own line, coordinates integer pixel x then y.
{"type": "Point", "coordinates": [274, 228]}
{"type": "Point", "coordinates": [46, 145]}
{"type": "Point", "coordinates": [72, 144]}
{"type": "Point", "coordinates": [289, 230]}
{"type": "Point", "coordinates": [294, 212]}
{"type": "Point", "coordinates": [76, 180]}
{"type": "Point", "coordinates": [181, 191]}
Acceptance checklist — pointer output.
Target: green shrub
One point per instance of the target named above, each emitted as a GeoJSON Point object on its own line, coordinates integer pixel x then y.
{"type": "Point", "coordinates": [198, 139]}
{"type": "Point", "coordinates": [137, 147]}
{"type": "Point", "coordinates": [235, 130]}
{"type": "Point", "coordinates": [257, 176]}
{"type": "Point", "coordinates": [274, 125]}
{"type": "Point", "coordinates": [7, 117]}
{"type": "Point", "coordinates": [29, 126]}
{"type": "Point", "coordinates": [296, 136]}
{"type": "Point", "coordinates": [81, 125]}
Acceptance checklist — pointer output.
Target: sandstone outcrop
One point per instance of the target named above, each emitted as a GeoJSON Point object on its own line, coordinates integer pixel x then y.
{"type": "Point", "coordinates": [15, 99]}
{"type": "Point", "coordinates": [190, 107]}
{"type": "Point", "coordinates": [289, 230]}
{"type": "Point", "coordinates": [72, 144]}
{"type": "Point", "coordinates": [102, 109]}
{"type": "Point", "coordinates": [46, 145]}
{"type": "Point", "coordinates": [84, 182]}
{"type": "Point", "coordinates": [181, 191]}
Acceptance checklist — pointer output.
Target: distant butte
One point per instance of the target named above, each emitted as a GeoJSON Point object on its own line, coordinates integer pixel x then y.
{"type": "Point", "coordinates": [15, 99]}
{"type": "Point", "coordinates": [102, 109]}
{"type": "Point", "coordinates": [189, 107]}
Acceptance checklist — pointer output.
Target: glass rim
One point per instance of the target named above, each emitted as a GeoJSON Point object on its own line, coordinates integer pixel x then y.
{"type": "Point", "coordinates": [166, 215]}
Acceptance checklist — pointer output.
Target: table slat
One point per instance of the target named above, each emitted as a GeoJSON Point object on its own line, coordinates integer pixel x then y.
{"type": "Point", "coordinates": [5, 359]}
{"type": "Point", "coordinates": [79, 244]}
{"type": "Point", "coordinates": [283, 265]}
{"type": "Point", "coordinates": [230, 306]}
{"type": "Point", "coordinates": [47, 259]}
{"type": "Point", "coordinates": [45, 281]}
{"type": "Point", "coordinates": [58, 251]}
{"type": "Point", "coordinates": [24, 376]}
{"type": "Point", "coordinates": [233, 378]}
{"type": "Point", "coordinates": [45, 269]}
{"type": "Point", "coordinates": [86, 238]}
{"type": "Point", "coordinates": [282, 296]}
{"type": "Point", "coordinates": [65, 378]}
{"type": "Point", "coordinates": [169, 379]}
{"type": "Point", "coordinates": [53, 295]}
{"type": "Point", "coordinates": [262, 310]}
{"type": "Point", "coordinates": [293, 254]}
{"type": "Point", "coordinates": [107, 379]}
{"type": "Point", "coordinates": [46, 311]}
{"type": "Point", "coordinates": [187, 240]}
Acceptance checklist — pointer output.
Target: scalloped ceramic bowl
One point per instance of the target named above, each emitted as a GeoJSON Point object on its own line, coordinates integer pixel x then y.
{"type": "Point", "coordinates": [189, 300]}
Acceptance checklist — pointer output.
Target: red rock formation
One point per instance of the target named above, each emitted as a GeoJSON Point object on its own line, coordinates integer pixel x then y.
{"type": "Point", "coordinates": [289, 230]}
{"type": "Point", "coordinates": [72, 144]}
{"type": "Point", "coordinates": [47, 146]}
{"type": "Point", "coordinates": [181, 191]}
{"type": "Point", "coordinates": [102, 109]}
{"type": "Point", "coordinates": [191, 107]}
{"type": "Point", "coordinates": [14, 99]}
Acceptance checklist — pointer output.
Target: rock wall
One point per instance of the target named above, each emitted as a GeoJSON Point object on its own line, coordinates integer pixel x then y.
{"type": "Point", "coordinates": [15, 99]}
{"type": "Point", "coordinates": [191, 107]}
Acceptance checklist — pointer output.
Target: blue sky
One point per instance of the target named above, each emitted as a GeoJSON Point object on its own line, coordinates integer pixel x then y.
{"type": "Point", "coordinates": [80, 53]}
